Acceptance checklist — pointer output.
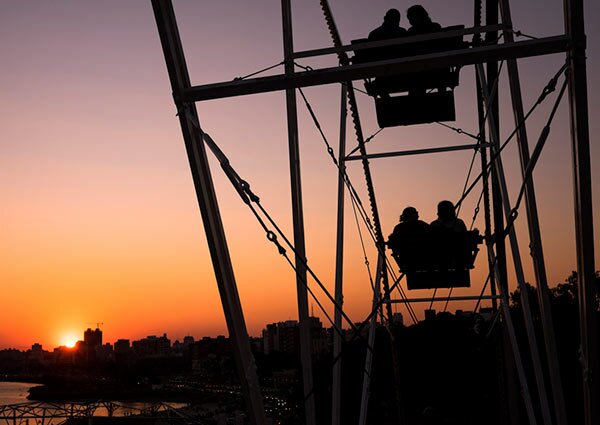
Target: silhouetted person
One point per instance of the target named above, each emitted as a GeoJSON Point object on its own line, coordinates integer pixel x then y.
{"type": "Point", "coordinates": [406, 235]}
{"type": "Point", "coordinates": [447, 218]}
{"type": "Point", "coordinates": [390, 28]}
{"type": "Point", "coordinates": [420, 22]}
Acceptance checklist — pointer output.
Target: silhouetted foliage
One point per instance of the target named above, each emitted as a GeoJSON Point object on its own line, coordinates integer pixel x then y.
{"type": "Point", "coordinates": [563, 294]}
{"type": "Point", "coordinates": [564, 298]}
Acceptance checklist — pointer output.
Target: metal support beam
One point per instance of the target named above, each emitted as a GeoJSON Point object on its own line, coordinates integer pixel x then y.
{"type": "Point", "coordinates": [512, 411]}
{"type": "Point", "coordinates": [584, 226]}
{"type": "Point", "coordinates": [396, 41]}
{"type": "Point", "coordinates": [435, 299]}
{"type": "Point", "coordinates": [518, 265]}
{"type": "Point", "coordinates": [486, 191]}
{"type": "Point", "coordinates": [209, 208]}
{"type": "Point", "coordinates": [336, 389]}
{"type": "Point", "coordinates": [382, 271]}
{"type": "Point", "coordinates": [512, 341]}
{"type": "Point", "coordinates": [338, 74]}
{"type": "Point", "coordinates": [368, 370]}
{"type": "Point", "coordinates": [414, 152]}
{"type": "Point", "coordinates": [535, 236]}
{"type": "Point", "coordinates": [298, 220]}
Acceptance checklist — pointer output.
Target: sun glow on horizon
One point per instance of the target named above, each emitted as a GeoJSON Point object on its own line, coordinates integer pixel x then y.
{"type": "Point", "coordinates": [69, 342]}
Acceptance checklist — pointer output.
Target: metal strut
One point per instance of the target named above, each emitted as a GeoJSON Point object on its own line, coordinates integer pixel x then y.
{"type": "Point", "coordinates": [535, 237]}
{"type": "Point", "coordinates": [298, 220]}
{"type": "Point", "coordinates": [209, 209]}
{"type": "Point", "coordinates": [382, 275]}
{"type": "Point", "coordinates": [518, 265]}
{"type": "Point", "coordinates": [352, 106]}
{"type": "Point", "coordinates": [336, 385]}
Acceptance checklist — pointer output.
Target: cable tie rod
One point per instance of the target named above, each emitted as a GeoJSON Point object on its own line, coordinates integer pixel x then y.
{"type": "Point", "coordinates": [417, 151]}
{"type": "Point", "coordinates": [429, 299]}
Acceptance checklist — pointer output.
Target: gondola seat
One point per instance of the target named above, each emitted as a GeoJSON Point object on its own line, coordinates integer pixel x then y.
{"type": "Point", "coordinates": [438, 258]}
{"type": "Point", "coordinates": [421, 104]}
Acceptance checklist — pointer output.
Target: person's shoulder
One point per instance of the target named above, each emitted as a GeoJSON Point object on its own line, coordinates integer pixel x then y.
{"type": "Point", "coordinates": [398, 227]}
{"type": "Point", "coordinates": [375, 34]}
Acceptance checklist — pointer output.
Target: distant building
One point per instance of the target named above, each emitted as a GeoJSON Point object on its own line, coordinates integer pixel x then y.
{"type": "Point", "coordinates": [105, 352]}
{"type": "Point", "coordinates": [122, 346]}
{"type": "Point", "coordinates": [430, 314]}
{"type": "Point", "coordinates": [122, 352]}
{"type": "Point", "coordinates": [487, 313]}
{"type": "Point", "coordinates": [465, 314]}
{"type": "Point", "coordinates": [152, 346]}
{"type": "Point", "coordinates": [92, 344]}
{"type": "Point", "coordinates": [92, 338]}
{"type": "Point", "coordinates": [318, 336]}
{"type": "Point", "coordinates": [37, 353]}
{"type": "Point", "coordinates": [284, 337]}
{"type": "Point", "coordinates": [64, 355]}
{"type": "Point", "coordinates": [288, 337]}
{"type": "Point", "coordinates": [269, 336]}
{"type": "Point", "coordinates": [11, 360]}
{"type": "Point", "coordinates": [397, 319]}
{"type": "Point", "coordinates": [210, 355]}
{"type": "Point", "coordinates": [284, 378]}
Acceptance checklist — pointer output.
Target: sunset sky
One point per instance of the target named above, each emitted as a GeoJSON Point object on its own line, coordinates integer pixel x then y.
{"type": "Point", "coordinates": [99, 216]}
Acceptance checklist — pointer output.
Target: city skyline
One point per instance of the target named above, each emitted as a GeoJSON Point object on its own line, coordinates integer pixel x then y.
{"type": "Point", "coordinates": [96, 337]}
{"type": "Point", "coordinates": [100, 218]}
{"type": "Point", "coordinates": [70, 340]}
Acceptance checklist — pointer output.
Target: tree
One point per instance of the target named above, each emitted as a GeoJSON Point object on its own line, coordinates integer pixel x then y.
{"type": "Point", "coordinates": [563, 294]}
{"type": "Point", "coordinates": [567, 293]}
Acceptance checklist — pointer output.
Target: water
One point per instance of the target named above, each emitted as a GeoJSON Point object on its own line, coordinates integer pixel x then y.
{"type": "Point", "coordinates": [14, 392]}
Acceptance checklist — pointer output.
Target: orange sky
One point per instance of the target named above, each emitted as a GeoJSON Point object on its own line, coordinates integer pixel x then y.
{"type": "Point", "coordinates": [100, 221]}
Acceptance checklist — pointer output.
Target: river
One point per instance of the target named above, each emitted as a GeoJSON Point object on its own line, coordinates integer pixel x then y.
{"type": "Point", "coordinates": [14, 392]}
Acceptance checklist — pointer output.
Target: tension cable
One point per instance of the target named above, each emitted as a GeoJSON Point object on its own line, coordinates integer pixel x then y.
{"type": "Point", "coordinates": [549, 88]}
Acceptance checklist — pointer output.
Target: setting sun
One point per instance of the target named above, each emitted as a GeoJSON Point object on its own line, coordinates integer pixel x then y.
{"type": "Point", "coordinates": [70, 342]}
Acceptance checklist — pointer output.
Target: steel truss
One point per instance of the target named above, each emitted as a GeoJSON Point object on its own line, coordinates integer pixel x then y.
{"type": "Point", "coordinates": [572, 43]}
{"type": "Point", "coordinates": [55, 413]}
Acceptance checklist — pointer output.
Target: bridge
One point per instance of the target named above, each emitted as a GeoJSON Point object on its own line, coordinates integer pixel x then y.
{"type": "Point", "coordinates": [105, 412]}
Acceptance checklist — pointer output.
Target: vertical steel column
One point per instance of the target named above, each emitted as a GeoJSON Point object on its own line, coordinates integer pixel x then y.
{"type": "Point", "coordinates": [512, 341]}
{"type": "Point", "coordinates": [209, 208]}
{"type": "Point", "coordinates": [298, 219]}
{"type": "Point", "coordinates": [520, 275]}
{"type": "Point", "coordinates": [366, 390]}
{"type": "Point", "coordinates": [584, 228]}
{"type": "Point", "coordinates": [491, 18]}
{"type": "Point", "coordinates": [486, 192]}
{"type": "Point", "coordinates": [535, 236]}
{"type": "Point", "coordinates": [481, 115]}
{"type": "Point", "coordinates": [336, 386]}
{"type": "Point", "coordinates": [493, 112]}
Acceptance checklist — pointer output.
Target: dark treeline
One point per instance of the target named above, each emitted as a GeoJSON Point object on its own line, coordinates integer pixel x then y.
{"type": "Point", "coordinates": [459, 368]}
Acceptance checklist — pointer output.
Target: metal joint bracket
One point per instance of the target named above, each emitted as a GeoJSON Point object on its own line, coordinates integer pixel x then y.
{"type": "Point", "coordinates": [532, 248]}
{"type": "Point", "coordinates": [581, 43]}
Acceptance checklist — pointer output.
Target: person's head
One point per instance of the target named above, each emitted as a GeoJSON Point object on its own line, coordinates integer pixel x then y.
{"type": "Point", "coordinates": [417, 15]}
{"type": "Point", "coordinates": [409, 214]}
{"type": "Point", "coordinates": [445, 210]}
{"type": "Point", "coordinates": [392, 17]}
